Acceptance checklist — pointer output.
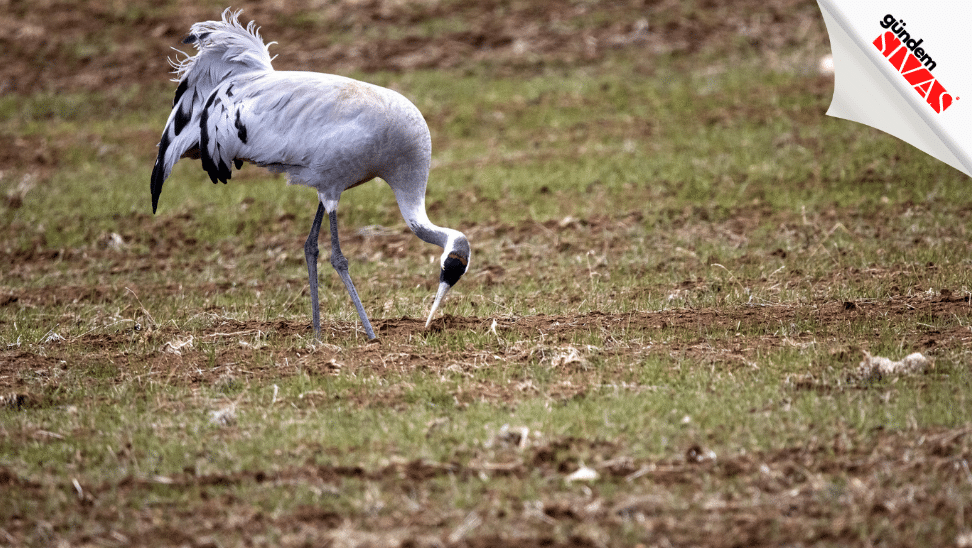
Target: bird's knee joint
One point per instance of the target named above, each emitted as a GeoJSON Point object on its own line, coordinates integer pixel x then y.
{"type": "Point", "coordinates": [311, 250]}
{"type": "Point", "coordinates": [339, 262]}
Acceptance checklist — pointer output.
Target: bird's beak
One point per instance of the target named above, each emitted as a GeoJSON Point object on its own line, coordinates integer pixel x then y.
{"type": "Point", "coordinates": [443, 289]}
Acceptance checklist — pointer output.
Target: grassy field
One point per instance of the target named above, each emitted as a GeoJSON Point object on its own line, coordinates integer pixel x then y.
{"type": "Point", "coordinates": [679, 263]}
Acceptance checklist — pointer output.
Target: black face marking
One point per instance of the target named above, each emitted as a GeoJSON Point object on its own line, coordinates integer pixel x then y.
{"type": "Point", "coordinates": [238, 163]}
{"type": "Point", "coordinates": [453, 269]}
{"type": "Point", "coordinates": [240, 128]}
{"type": "Point", "coordinates": [460, 258]}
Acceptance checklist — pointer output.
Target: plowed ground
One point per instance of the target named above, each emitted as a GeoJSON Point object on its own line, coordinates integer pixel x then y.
{"type": "Point", "coordinates": [895, 485]}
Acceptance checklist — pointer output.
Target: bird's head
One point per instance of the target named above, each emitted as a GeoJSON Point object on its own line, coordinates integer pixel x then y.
{"type": "Point", "coordinates": [454, 263]}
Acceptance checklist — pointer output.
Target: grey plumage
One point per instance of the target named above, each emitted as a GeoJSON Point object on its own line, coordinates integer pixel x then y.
{"type": "Point", "coordinates": [324, 131]}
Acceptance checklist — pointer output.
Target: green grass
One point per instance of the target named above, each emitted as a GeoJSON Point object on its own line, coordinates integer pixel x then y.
{"type": "Point", "coordinates": [708, 194]}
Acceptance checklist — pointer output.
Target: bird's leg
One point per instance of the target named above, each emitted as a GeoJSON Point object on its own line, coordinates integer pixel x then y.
{"type": "Point", "coordinates": [310, 253]}
{"type": "Point", "coordinates": [340, 263]}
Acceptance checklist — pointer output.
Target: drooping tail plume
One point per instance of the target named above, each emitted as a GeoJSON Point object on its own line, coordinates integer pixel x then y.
{"type": "Point", "coordinates": [225, 50]}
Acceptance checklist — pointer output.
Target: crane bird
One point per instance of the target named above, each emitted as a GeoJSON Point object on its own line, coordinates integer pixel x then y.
{"type": "Point", "coordinates": [324, 131]}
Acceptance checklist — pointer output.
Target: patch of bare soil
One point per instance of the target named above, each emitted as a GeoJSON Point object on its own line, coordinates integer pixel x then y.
{"type": "Point", "coordinates": [177, 355]}
{"type": "Point", "coordinates": [67, 45]}
{"type": "Point", "coordinates": [849, 490]}
{"type": "Point", "coordinates": [743, 331]}
{"type": "Point", "coordinates": [834, 492]}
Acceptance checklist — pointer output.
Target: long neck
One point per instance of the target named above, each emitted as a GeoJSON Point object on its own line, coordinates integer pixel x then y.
{"type": "Point", "coordinates": [418, 221]}
{"type": "Point", "coordinates": [410, 195]}
{"type": "Point", "coordinates": [453, 242]}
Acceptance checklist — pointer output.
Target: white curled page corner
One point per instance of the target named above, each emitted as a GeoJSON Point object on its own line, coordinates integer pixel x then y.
{"type": "Point", "coordinates": [903, 67]}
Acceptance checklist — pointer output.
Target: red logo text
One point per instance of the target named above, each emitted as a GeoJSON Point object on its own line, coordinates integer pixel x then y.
{"type": "Point", "coordinates": [913, 71]}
